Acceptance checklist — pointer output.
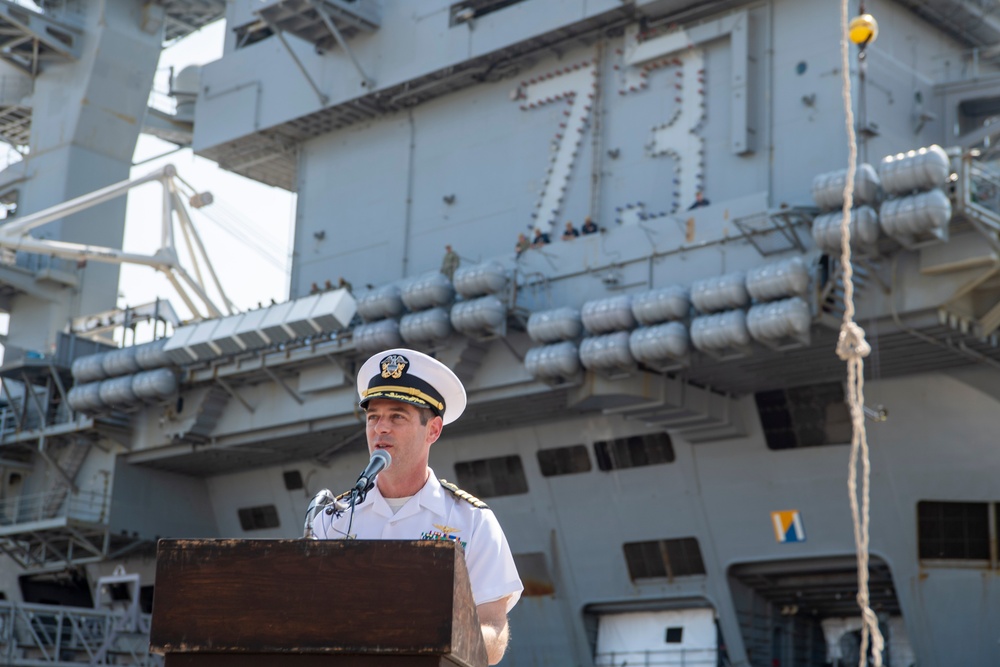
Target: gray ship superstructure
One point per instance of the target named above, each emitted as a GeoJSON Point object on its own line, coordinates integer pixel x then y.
{"type": "Point", "coordinates": [656, 410]}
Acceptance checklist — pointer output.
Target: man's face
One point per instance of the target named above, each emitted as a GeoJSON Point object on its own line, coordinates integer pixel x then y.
{"type": "Point", "coordinates": [395, 427]}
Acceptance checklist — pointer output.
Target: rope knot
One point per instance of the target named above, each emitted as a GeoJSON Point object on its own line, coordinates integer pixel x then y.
{"type": "Point", "coordinates": [852, 344]}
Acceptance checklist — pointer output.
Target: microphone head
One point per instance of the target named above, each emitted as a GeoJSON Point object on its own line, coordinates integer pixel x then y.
{"type": "Point", "coordinates": [382, 454]}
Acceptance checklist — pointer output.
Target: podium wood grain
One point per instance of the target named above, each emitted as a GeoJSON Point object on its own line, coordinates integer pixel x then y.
{"type": "Point", "coordinates": [313, 603]}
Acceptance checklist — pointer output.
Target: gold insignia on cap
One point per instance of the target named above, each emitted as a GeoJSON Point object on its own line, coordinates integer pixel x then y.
{"type": "Point", "coordinates": [394, 366]}
{"type": "Point", "coordinates": [402, 394]}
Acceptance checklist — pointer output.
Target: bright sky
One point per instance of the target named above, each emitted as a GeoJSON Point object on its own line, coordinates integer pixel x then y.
{"type": "Point", "coordinates": [246, 231]}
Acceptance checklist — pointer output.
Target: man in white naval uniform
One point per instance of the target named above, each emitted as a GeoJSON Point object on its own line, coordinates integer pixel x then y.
{"type": "Point", "coordinates": [408, 397]}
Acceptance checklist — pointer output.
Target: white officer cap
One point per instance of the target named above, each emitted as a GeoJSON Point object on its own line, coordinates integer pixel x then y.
{"type": "Point", "coordinates": [412, 377]}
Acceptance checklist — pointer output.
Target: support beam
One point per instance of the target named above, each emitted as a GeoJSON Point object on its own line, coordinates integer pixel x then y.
{"type": "Point", "coordinates": [188, 228]}
{"type": "Point", "coordinates": [23, 224]}
{"type": "Point", "coordinates": [366, 81]}
{"type": "Point", "coordinates": [55, 466]}
{"type": "Point", "coordinates": [323, 99]}
{"type": "Point", "coordinates": [235, 394]}
{"type": "Point", "coordinates": [29, 390]}
{"type": "Point", "coordinates": [15, 236]}
{"type": "Point", "coordinates": [291, 392]}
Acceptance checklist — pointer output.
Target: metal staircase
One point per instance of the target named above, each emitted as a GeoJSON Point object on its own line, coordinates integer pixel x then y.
{"type": "Point", "coordinates": [469, 360]}
{"type": "Point", "coordinates": [831, 296]}
{"type": "Point", "coordinates": [196, 421]}
{"type": "Point", "coordinates": [694, 413]}
{"type": "Point", "coordinates": [61, 526]}
{"type": "Point", "coordinates": [71, 462]}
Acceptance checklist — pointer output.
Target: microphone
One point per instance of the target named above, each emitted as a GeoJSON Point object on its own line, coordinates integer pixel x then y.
{"type": "Point", "coordinates": [318, 503]}
{"type": "Point", "coordinates": [380, 461]}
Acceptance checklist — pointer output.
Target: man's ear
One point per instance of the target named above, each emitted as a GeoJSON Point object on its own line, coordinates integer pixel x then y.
{"type": "Point", "coordinates": [434, 428]}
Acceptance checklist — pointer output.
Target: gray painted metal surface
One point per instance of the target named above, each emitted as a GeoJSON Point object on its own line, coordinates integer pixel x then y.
{"type": "Point", "coordinates": [671, 319]}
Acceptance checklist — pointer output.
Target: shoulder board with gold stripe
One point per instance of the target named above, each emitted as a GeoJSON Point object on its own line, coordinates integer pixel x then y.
{"type": "Point", "coordinates": [464, 495]}
{"type": "Point", "coordinates": [346, 495]}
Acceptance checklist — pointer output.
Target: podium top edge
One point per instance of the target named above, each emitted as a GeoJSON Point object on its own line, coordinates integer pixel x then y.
{"type": "Point", "coordinates": [223, 542]}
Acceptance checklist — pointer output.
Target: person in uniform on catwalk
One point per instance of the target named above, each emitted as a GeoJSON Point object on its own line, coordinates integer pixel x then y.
{"type": "Point", "coordinates": [450, 262]}
{"type": "Point", "coordinates": [570, 232]}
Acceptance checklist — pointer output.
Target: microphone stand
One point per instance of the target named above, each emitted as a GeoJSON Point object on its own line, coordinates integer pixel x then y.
{"type": "Point", "coordinates": [358, 494]}
{"type": "Point", "coordinates": [357, 497]}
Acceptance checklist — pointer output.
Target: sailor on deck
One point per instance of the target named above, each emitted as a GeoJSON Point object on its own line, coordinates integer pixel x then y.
{"type": "Point", "coordinates": [408, 397]}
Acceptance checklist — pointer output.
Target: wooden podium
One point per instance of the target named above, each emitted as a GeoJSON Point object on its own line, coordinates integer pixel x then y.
{"type": "Point", "coordinates": [314, 603]}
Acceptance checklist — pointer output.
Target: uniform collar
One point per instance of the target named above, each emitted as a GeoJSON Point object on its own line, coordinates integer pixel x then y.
{"type": "Point", "coordinates": [430, 497]}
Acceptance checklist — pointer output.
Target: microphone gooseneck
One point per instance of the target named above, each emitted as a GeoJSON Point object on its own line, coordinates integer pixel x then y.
{"type": "Point", "coordinates": [323, 498]}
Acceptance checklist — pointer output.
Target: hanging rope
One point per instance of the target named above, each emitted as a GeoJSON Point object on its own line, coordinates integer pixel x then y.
{"type": "Point", "coordinates": [853, 348]}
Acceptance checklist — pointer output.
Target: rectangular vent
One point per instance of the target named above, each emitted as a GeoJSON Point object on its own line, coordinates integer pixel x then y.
{"type": "Point", "coordinates": [658, 559]}
{"type": "Point", "coordinates": [953, 531]}
{"type": "Point", "coordinates": [489, 478]}
{"type": "Point", "coordinates": [807, 416]}
{"type": "Point", "coordinates": [258, 518]}
{"type": "Point", "coordinates": [634, 451]}
{"type": "Point", "coordinates": [564, 460]}
{"type": "Point", "coordinates": [293, 480]}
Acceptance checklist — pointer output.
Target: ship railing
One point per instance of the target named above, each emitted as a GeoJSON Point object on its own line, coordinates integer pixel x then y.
{"type": "Point", "coordinates": [88, 506]}
{"type": "Point", "coordinates": [9, 424]}
{"type": "Point", "coordinates": [680, 657]}
{"type": "Point", "coordinates": [985, 186]}
{"type": "Point", "coordinates": [976, 196]}
{"type": "Point", "coordinates": [39, 409]}
{"type": "Point", "coordinates": [32, 635]}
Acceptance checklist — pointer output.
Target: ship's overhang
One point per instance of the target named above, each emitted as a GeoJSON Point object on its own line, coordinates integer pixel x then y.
{"type": "Point", "coordinates": [819, 587]}
{"type": "Point", "coordinates": [975, 23]}
{"type": "Point", "coordinates": [303, 441]}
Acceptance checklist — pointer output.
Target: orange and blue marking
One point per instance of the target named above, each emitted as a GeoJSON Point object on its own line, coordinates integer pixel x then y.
{"type": "Point", "coordinates": [788, 526]}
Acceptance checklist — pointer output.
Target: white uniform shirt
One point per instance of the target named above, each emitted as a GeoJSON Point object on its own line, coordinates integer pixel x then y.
{"type": "Point", "coordinates": [437, 514]}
